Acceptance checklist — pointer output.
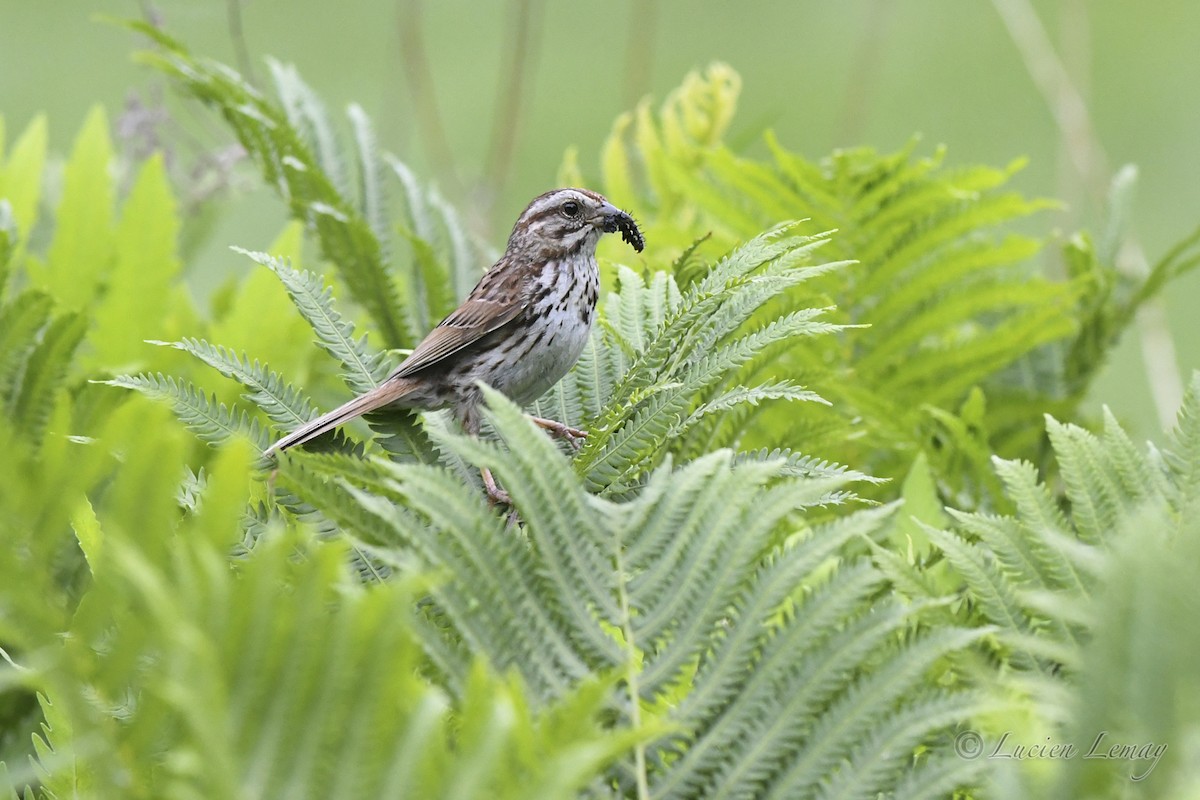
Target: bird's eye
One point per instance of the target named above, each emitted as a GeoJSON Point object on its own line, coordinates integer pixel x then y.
{"type": "Point", "coordinates": [570, 209]}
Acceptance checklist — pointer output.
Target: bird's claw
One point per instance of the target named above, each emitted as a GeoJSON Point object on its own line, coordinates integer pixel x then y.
{"type": "Point", "coordinates": [496, 495]}
{"type": "Point", "coordinates": [573, 436]}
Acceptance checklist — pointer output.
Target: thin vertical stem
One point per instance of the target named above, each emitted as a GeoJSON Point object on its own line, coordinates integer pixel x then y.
{"type": "Point", "coordinates": [1083, 147]}
{"type": "Point", "coordinates": [639, 52]}
{"type": "Point", "coordinates": [415, 61]}
{"type": "Point", "coordinates": [864, 73]}
{"type": "Point", "coordinates": [1074, 44]}
{"type": "Point", "coordinates": [510, 92]}
{"type": "Point", "coordinates": [237, 36]}
{"type": "Point", "coordinates": [631, 673]}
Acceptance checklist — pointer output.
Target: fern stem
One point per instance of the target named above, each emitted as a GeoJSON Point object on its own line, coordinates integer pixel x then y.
{"type": "Point", "coordinates": [631, 671]}
{"type": "Point", "coordinates": [514, 85]}
{"type": "Point", "coordinates": [420, 82]}
{"type": "Point", "coordinates": [1082, 144]}
{"type": "Point", "coordinates": [237, 37]}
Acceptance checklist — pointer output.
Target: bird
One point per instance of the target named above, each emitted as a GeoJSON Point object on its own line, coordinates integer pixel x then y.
{"type": "Point", "coordinates": [520, 330]}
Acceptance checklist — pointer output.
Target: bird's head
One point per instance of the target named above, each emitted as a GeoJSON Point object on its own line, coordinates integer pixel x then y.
{"type": "Point", "coordinates": [567, 221]}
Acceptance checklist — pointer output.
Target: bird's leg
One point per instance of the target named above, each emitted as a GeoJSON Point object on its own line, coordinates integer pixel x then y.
{"type": "Point", "coordinates": [497, 495]}
{"type": "Point", "coordinates": [468, 418]}
{"type": "Point", "coordinates": [572, 435]}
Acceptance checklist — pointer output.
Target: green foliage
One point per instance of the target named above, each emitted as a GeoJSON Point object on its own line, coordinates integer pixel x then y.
{"type": "Point", "coordinates": [949, 306]}
{"type": "Point", "coordinates": [699, 581]}
{"type": "Point", "coordinates": [58, 311]}
{"type": "Point", "coordinates": [294, 144]}
{"type": "Point", "coordinates": [362, 369]}
{"type": "Point", "coordinates": [203, 415]}
{"type": "Point", "coordinates": [1093, 606]}
{"type": "Point", "coordinates": [125, 615]}
{"type": "Point", "coordinates": [289, 144]}
{"type": "Point", "coordinates": [179, 674]}
{"type": "Point", "coordinates": [37, 337]}
{"type": "Point", "coordinates": [108, 279]}
{"type": "Point", "coordinates": [144, 271]}
{"type": "Point", "coordinates": [688, 606]}
{"type": "Point", "coordinates": [84, 237]}
{"type": "Point", "coordinates": [671, 363]}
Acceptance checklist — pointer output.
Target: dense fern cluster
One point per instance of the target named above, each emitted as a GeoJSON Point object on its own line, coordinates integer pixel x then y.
{"type": "Point", "coordinates": [687, 607]}
{"type": "Point", "coordinates": [943, 292]}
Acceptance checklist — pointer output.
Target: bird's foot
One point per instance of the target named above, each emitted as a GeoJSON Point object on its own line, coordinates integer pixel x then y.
{"type": "Point", "coordinates": [574, 436]}
{"type": "Point", "coordinates": [496, 495]}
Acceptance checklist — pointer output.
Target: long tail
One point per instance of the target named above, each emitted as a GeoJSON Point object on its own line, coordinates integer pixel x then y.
{"type": "Point", "coordinates": [384, 394]}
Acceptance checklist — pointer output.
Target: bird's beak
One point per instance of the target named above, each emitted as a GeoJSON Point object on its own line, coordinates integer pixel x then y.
{"type": "Point", "coordinates": [609, 217]}
{"type": "Point", "coordinates": [612, 219]}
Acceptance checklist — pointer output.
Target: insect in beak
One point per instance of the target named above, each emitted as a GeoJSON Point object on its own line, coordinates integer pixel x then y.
{"type": "Point", "coordinates": [614, 219]}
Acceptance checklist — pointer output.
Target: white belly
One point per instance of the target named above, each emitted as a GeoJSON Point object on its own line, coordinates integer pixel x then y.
{"type": "Point", "coordinates": [567, 312]}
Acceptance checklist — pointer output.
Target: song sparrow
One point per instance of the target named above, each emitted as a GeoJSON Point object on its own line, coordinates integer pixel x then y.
{"type": "Point", "coordinates": [520, 329]}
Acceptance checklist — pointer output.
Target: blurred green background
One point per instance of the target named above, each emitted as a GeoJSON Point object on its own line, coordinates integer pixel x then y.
{"type": "Point", "coordinates": [485, 96]}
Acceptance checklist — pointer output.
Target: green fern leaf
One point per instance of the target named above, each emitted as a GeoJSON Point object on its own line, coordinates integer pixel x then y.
{"type": "Point", "coordinates": [372, 199]}
{"type": "Point", "coordinates": [20, 323]}
{"type": "Point", "coordinates": [632, 434]}
{"type": "Point", "coordinates": [870, 764]}
{"type": "Point", "coordinates": [320, 200]}
{"type": "Point", "coordinates": [939, 776]}
{"type": "Point", "coordinates": [45, 369]}
{"type": "Point", "coordinates": [1184, 453]}
{"type": "Point", "coordinates": [726, 401]}
{"type": "Point", "coordinates": [309, 117]}
{"type": "Point", "coordinates": [1093, 486]}
{"type": "Point", "coordinates": [209, 420]}
{"type": "Point", "coordinates": [435, 288]}
{"type": "Point", "coordinates": [363, 369]}
{"type": "Point", "coordinates": [683, 582]}
{"type": "Point", "coordinates": [284, 404]}
{"type": "Point", "coordinates": [866, 706]}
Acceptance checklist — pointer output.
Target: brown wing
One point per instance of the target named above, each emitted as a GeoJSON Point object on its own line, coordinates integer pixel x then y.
{"type": "Point", "coordinates": [466, 325]}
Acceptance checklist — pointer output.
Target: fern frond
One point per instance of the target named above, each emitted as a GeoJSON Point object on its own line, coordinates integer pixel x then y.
{"type": "Point", "coordinates": [1042, 526]}
{"type": "Point", "coordinates": [467, 257]}
{"type": "Point", "coordinates": [20, 323]}
{"type": "Point", "coordinates": [558, 519]}
{"type": "Point", "coordinates": [994, 593]}
{"type": "Point", "coordinates": [443, 262]}
{"type": "Point", "coordinates": [1184, 449]}
{"type": "Point", "coordinates": [484, 563]}
{"type": "Point", "coordinates": [726, 401]}
{"type": "Point", "coordinates": [45, 368]}
{"type": "Point", "coordinates": [371, 197]}
{"type": "Point", "coordinates": [282, 402]}
{"type": "Point", "coordinates": [632, 434]}
{"type": "Point", "coordinates": [209, 420]}
{"type": "Point", "coordinates": [720, 677]}
{"type": "Point", "coordinates": [266, 691]}
{"type": "Point", "coordinates": [939, 776]}
{"type": "Point", "coordinates": [288, 163]}
{"type": "Point", "coordinates": [675, 608]}
{"type": "Point", "coordinates": [191, 489]}
{"type": "Point", "coordinates": [866, 708]}
{"type": "Point", "coordinates": [936, 274]}
{"type": "Point", "coordinates": [1093, 485]}
{"type": "Point", "coordinates": [308, 116]}
{"type": "Point", "coordinates": [1068, 585]}
{"type": "Point", "coordinates": [685, 583]}
{"type": "Point", "coordinates": [363, 369]}
{"type": "Point", "coordinates": [871, 763]}
{"type": "Point", "coordinates": [706, 315]}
